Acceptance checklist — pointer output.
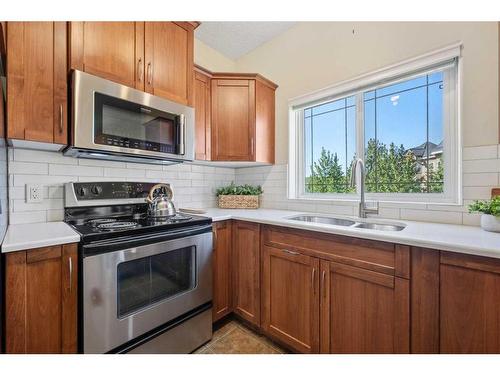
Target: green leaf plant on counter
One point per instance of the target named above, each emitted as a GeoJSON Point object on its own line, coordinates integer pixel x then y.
{"type": "Point", "coordinates": [239, 190]}
{"type": "Point", "coordinates": [488, 207]}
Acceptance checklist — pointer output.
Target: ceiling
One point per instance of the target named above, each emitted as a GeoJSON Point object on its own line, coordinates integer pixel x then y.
{"type": "Point", "coordinates": [235, 39]}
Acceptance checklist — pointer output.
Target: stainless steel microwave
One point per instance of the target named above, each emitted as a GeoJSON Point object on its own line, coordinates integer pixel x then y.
{"type": "Point", "coordinates": [113, 121]}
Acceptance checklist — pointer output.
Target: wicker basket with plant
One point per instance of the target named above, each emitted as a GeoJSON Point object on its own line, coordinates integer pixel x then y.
{"type": "Point", "coordinates": [238, 196]}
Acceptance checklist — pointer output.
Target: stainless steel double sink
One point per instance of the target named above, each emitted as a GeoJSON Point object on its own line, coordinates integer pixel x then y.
{"type": "Point", "coordinates": [348, 223]}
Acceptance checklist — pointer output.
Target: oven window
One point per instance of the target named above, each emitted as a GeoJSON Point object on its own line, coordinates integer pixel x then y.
{"type": "Point", "coordinates": [125, 124]}
{"type": "Point", "coordinates": [145, 281]}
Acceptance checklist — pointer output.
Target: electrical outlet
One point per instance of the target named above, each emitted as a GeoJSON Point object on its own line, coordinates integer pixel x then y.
{"type": "Point", "coordinates": [34, 193]}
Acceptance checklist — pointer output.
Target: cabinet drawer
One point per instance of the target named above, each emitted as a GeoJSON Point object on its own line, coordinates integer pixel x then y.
{"type": "Point", "coordinates": [377, 256]}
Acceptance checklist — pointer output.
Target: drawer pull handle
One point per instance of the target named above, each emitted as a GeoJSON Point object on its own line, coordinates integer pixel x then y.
{"type": "Point", "coordinates": [70, 275]}
{"type": "Point", "coordinates": [313, 274]}
{"type": "Point", "coordinates": [323, 286]}
{"type": "Point", "coordinates": [290, 252]}
{"type": "Point", "coordinates": [139, 69]}
{"type": "Point", "coordinates": [61, 119]}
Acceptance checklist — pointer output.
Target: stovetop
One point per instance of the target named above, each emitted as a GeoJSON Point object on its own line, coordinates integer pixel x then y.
{"type": "Point", "coordinates": [93, 228]}
{"type": "Point", "coordinates": [108, 210]}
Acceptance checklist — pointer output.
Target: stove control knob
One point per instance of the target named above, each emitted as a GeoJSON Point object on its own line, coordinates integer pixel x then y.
{"type": "Point", "coordinates": [96, 189]}
{"type": "Point", "coordinates": [81, 191]}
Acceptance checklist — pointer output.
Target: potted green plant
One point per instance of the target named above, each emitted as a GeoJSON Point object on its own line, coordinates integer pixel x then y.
{"type": "Point", "coordinates": [490, 209]}
{"type": "Point", "coordinates": [238, 196]}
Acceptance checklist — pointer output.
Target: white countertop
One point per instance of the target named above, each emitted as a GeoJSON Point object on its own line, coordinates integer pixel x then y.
{"type": "Point", "coordinates": [31, 236]}
{"type": "Point", "coordinates": [456, 238]}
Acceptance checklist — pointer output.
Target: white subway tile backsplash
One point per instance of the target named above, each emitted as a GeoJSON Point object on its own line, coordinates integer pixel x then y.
{"type": "Point", "coordinates": [481, 166]}
{"type": "Point", "coordinates": [124, 172]}
{"type": "Point", "coordinates": [480, 179]}
{"type": "Point", "coordinates": [480, 152]}
{"type": "Point", "coordinates": [20, 167]}
{"type": "Point", "coordinates": [432, 216]}
{"type": "Point", "coordinates": [193, 185]}
{"type": "Point", "coordinates": [74, 170]}
{"type": "Point", "coordinates": [27, 217]}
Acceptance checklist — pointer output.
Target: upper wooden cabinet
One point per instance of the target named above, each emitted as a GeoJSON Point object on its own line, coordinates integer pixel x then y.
{"type": "Point", "coordinates": [242, 118]}
{"type": "Point", "coordinates": [156, 57]}
{"type": "Point", "coordinates": [202, 113]}
{"type": "Point", "coordinates": [246, 271]}
{"type": "Point", "coordinates": [169, 60]}
{"type": "Point", "coordinates": [37, 81]}
{"type": "Point", "coordinates": [41, 300]}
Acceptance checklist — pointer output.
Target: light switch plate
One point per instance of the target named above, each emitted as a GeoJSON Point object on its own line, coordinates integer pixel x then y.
{"type": "Point", "coordinates": [34, 193]}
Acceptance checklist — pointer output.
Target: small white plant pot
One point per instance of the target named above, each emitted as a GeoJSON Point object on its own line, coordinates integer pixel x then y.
{"type": "Point", "coordinates": [490, 223]}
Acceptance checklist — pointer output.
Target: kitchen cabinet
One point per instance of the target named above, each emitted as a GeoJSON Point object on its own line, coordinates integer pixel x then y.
{"type": "Point", "coordinates": [290, 298]}
{"type": "Point", "coordinates": [222, 270]}
{"type": "Point", "coordinates": [242, 127]}
{"type": "Point", "coordinates": [202, 107]}
{"type": "Point", "coordinates": [41, 300]}
{"type": "Point", "coordinates": [469, 312]}
{"type": "Point", "coordinates": [334, 294]}
{"type": "Point", "coordinates": [156, 57]}
{"type": "Point", "coordinates": [169, 60]}
{"type": "Point", "coordinates": [37, 82]}
{"type": "Point", "coordinates": [363, 311]}
{"type": "Point", "coordinates": [110, 50]}
{"type": "Point", "coordinates": [246, 271]}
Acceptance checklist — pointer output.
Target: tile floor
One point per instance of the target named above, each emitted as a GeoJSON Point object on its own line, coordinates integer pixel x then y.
{"type": "Point", "coordinates": [234, 338]}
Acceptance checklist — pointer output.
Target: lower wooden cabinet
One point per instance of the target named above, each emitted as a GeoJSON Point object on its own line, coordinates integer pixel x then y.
{"type": "Point", "coordinates": [246, 271]}
{"type": "Point", "coordinates": [469, 313]}
{"type": "Point", "coordinates": [41, 300]}
{"type": "Point", "coordinates": [290, 298]}
{"type": "Point", "coordinates": [363, 311]}
{"type": "Point", "coordinates": [222, 305]}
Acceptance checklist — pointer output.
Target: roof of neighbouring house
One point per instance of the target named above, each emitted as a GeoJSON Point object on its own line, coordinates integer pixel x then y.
{"type": "Point", "coordinates": [427, 147]}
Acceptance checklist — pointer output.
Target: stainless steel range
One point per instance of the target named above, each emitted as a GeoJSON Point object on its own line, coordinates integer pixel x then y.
{"type": "Point", "coordinates": [146, 283]}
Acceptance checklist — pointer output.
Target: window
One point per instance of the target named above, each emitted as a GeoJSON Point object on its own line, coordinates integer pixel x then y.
{"type": "Point", "coordinates": [402, 121]}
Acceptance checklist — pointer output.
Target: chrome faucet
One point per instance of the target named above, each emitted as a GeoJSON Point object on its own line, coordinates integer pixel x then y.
{"type": "Point", "coordinates": [363, 210]}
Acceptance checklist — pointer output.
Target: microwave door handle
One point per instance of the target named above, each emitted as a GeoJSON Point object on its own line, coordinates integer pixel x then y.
{"type": "Point", "coordinates": [182, 134]}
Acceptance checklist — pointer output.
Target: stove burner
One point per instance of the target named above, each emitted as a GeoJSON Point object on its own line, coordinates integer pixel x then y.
{"type": "Point", "coordinates": [97, 222]}
{"type": "Point", "coordinates": [172, 219]}
{"type": "Point", "coordinates": [113, 224]}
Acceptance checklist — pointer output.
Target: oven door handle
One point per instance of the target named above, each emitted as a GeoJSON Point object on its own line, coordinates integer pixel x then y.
{"type": "Point", "coordinates": [115, 244]}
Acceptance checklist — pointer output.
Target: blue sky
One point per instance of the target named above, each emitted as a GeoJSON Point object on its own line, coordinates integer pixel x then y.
{"type": "Point", "coordinates": [401, 118]}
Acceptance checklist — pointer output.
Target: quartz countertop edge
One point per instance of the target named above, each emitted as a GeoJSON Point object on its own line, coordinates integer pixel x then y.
{"type": "Point", "coordinates": [34, 235]}
{"type": "Point", "coordinates": [447, 237]}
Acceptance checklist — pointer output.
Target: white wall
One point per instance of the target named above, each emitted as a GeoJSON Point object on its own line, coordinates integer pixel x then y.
{"type": "Point", "coordinates": [313, 55]}
{"type": "Point", "coordinates": [211, 59]}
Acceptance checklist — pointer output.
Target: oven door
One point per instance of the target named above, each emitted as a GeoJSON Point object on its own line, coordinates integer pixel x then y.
{"type": "Point", "coordinates": [129, 292]}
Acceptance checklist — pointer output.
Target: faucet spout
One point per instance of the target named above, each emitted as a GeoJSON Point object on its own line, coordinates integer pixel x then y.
{"type": "Point", "coordinates": [363, 210]}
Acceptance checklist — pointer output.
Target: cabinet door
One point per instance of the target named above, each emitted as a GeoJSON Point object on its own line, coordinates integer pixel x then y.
{"type": "Point", "coordinates": [36, 81]}
{"type": "Point", "coordinates": [41, 295]}
{"type": "Point", "coordinates": [246, 271]}
{"type": "Point", "coordinates": [222, 270]}
{"type": "Point", "coordinates": [290, 298]}
{"type": "Point", "coordinates": [233, 119]}
{"type": "Point", "coordinates": [469, 304]}
{"type": "Point", "coordinates": [169, 60]}
{"type": "Point", "coordinates": [202, 115]}
{"type": "Point", "coordinates": [363, 311]}
{"type": "Point", "coordinates": [111, 50]}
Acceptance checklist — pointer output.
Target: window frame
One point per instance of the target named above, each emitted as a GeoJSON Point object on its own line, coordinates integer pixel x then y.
{"type": "Point", "coordinates": [435, 60]}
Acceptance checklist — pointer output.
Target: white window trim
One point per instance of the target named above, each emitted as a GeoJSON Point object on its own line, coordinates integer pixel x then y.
{"type": "Point", "coordinates": [452, 130]}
